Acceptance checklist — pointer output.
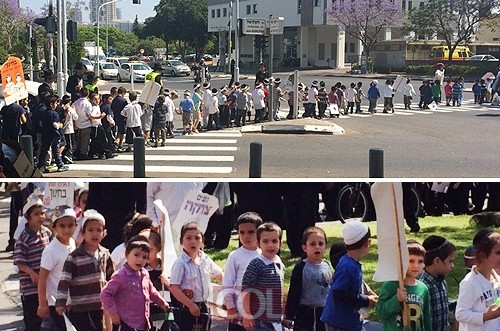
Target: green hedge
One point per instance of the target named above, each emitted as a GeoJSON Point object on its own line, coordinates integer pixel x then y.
{"type": "Point", "coordinates": [451, 70]}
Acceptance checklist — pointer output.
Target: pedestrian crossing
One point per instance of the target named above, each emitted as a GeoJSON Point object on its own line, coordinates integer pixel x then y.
{"type": "Point", "coordinates": [203, 154]}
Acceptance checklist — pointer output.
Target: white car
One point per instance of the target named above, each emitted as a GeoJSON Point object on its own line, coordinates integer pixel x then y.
{"type": "Point", "coordinates": [118, 61]}
{"type": "Point", "coordinates": [108, 70]}
{"type": "Point", "coordinates": [87, 64]}
{"type": "Point", "coordinates": [140, 70]}
{"type": "Point", "coordinates": [486, 57]}
{"type": "Point", "coordinates": [175, 68]}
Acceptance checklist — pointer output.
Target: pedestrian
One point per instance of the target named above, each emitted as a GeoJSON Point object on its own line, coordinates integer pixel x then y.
{"type": "Point", "coordinates": [242, 101]}
{"type": "Point", "coordinates": [236, 264]}
{"type": "Point", "coordinates": [309, 284]}
{"type": "Point", "coordinates": [27, 257]}
{"type": "Point", "coordinates": [312, 99]}
{"type": "Point", "coordinates": [160, 120]}
{"type": "Point", "coordinates": [84, 274]}
{"type": "Point", "coordinates": [132, 284]}
{"type": "Point", "coordinates": [351, 97]}
{"type": "Point", "coordinates": [278, 94]}
{"type": "Point", "coordinates": [213, 111]}
{"type": "Point", "coordinates": [436, 91]}
{"type": "Point", "coordinates": [146, 123]}
{"type": "Point", "coordinates": [187, 107]}
{"type": "Point", "coordinates": [476, 89]}
{"type": "Point", "coordinates": [439, 77]}
{"type": "Point", "coordinates": [373, 95]}
{"type": "Point", "coordinates": [359, 96]}
{"type": "Point", "coordinates": [261, 74]}
{"type": "Point", "coordinates": [427, 95]}
{"type": "Point", "coordinates": [448, 92]}
{"type": "Point", "coordinates": [108, 122]}
{"type": "Point", "coordinates": [263, 282]}
{"type": "Point", "coordinates": [322, 100]}
{"type": "Point", "coordinates": [98, 141]}
{"type": "Point", "coordinates": [69, 129]}
{"type": "Point", "coordinates": [48, 80]}
{"type": "Point", "coordinates": [13, 117]}
{"type": "Point", "coordinates": [117, 105]}
{"type": "Point", "coordinates": [197, 100]}
{"type": "Point", "coordinates": [339, 314]}
{"type": "Point", "coordinates": [92, 85]}
{"type": "Point", "coordinates": [51, 265]}
{"type": "Point", "coordinates": [457, 93]}
{"type": "Point", "coordinates": [169, 101]}
{"type": "Point", "coordinates": [191, 293]}
{"type": "Point", "coordinates": [258, 102]}
{"type": "Point", "coordinates": [387, 92]}
{"type": "Point", "coordinates": [132, 113]}
{"type": "Point", "coordinates": [414, 294]}
{"type": "Point", "coordinates": [333, 100]}
{"type": "Point", "coordinates": [75, 82]}
{"type": "Point", "coordinates": [207, 91]}
{"type": "Point", "coordinates": [408, 93]}
{"type": "Point", "coordinates": [83, 109]}
{"type": "Point", "coordinates": [484, 91]}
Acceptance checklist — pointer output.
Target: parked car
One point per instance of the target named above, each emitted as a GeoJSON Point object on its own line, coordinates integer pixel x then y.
{"type": "Point", "coordinates": [118, 61]}
{"type": "Point", "coordinates": [485, 57]}
{"type": "Point", "coordinates": [87, 64]}
{"type": "Point", "coordinates": [140, 69]}
{"type": "Point", "coordinates": [175, 68]}
{"type": "Point", "coordinates": [108, 70]}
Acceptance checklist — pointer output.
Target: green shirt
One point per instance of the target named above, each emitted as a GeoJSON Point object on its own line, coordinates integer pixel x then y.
{"type": "Point", "coordinates": [389, 309]}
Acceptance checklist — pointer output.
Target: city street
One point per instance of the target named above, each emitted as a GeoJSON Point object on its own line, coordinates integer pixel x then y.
{"type": "Point", "coordinates": [449, 142]}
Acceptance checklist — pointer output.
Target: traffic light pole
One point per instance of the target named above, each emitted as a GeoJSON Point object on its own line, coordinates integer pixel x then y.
{"type": "Point", "coordinates": [30, 32]}
{"type": "Point", "coordinates": [60, 50]}
{"type": "Point", "coordinates": [271, 81]}
{"type": "Point", "coordinates": [237, 44]}
{"type": "Point", "coordinates": [64, 19]}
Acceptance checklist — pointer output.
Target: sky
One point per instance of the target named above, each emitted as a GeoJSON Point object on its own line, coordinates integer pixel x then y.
{"type": "Point", "coordinates": [129, 11]}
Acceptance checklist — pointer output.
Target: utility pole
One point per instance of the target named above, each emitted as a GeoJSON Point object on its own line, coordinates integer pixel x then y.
{"type": "Point", "coordinates": [237, 44]}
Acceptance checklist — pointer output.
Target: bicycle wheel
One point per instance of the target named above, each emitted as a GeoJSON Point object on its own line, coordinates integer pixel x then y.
{"type": "Point", "coordinates": [416, 204]}
{"type": "Point", "coordinates": [352, 203]}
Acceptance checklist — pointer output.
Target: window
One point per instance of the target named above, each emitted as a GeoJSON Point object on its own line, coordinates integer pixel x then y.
{"type": "Point", "coordinates": [421, 5]}
{"type": "Point", "coordinates": [249, 9]}
{"type": "Point", "coordinates": [299, 6]}
{"type": "Point", "coordinates": [218, 12]}
{"type": "Point", "coordinates": [316, 3]}
{"type": "Point", "coordinates": [213, 13]}
{"type": "Point", "coordinates": [403, 5]}
{"type": "Point", "coordinates": [255, 8]}
{"type": "Point", "coordinates": [321, 51]}
{"type": "Point", "coordinates": [224, 12]}
{"type": "Point", "coordinates": [352, 47]}
{"type": "Point", "coordinates": [410, 5]}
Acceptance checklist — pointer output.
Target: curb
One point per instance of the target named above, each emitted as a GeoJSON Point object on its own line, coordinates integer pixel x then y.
{"type": "Point", "coordinates": [297, 128]}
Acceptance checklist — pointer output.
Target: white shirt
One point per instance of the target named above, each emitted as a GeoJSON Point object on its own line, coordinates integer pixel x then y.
{"type": "Point", "coordinates": [235, 267]}
{"type": "Point", "coordinates": [311, 95]}
{"type": "Point", "coordinates": [476, 294]}
{"type": "Point", "coordinates": [71, 116]}
{"type": "Point", "coordinates": [96, 111]}
{"type": "Point", "coordinates": [170, 108]}
{"type": "Point", "coordinates": [258, 98]}
{"type": "Point", "coordinates": [408, 90]}
{"type": "Point", "coordinates": [386, 91]}
{"type": "Point", "coordinates": [213, 105]}
{"type": "Point", "coordinates": [118, 256]}
{"type": "Point", "coordinates": [83, 109]}
{"type": "Point", "coordinates": [133, 112]}
{"type": "Point", "coordinates": [206, 95]}
{"type": "Point", "coordinates": [53, 258]}
{"type": "Point", "coordinates": [439, 75]}
{"type": "Point", "coordinates": [351, 94]}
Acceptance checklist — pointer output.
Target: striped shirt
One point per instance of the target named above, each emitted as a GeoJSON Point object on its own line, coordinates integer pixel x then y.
{"type": "Point", "coordinates": [438, 295]}
{"type": "Point", "coordinates": [263, 279]}
{"type": "Point", "coordinates": [28, 251]}
{"type": "Point", "coordinates": [84, 275]}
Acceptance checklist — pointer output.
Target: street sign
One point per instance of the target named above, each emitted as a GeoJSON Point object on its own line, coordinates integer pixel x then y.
{"type": "Point", "coordinates": [254, 26]}
{"type": "Point", "coordinates": [89, 43]}
{"type": "Point", "coordinates": [276, 25]}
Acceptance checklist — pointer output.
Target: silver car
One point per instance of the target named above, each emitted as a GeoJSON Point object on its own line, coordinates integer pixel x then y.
{"type": "Point", "coordinates": [175, 68]}
{"type": "Point", "coordinates": [108, 70]}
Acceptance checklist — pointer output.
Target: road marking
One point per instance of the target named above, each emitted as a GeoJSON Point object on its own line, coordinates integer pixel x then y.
{"type": "Point", "coordinates": [195, 148]}
{"type": "Point", "coordinates": [201, 141]}
{"type": "Point", "coordinates": [221, 134]}
{"type": "Point", "coordinates": [190, 158]}
{"type": "Point", "coordinates": [150, 169]}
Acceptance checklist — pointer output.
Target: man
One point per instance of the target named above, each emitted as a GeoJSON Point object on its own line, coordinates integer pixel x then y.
{"type": "Point", "coordinates": [117, 105]}
{"type": "Point", "coordinates": [75, 82]}
{"type": "Point", "coordinates": [48, 80]}
{"type": "Point", "coordinates": [154, 76]}
{"type": "Point", "coordinates": [262, 74]}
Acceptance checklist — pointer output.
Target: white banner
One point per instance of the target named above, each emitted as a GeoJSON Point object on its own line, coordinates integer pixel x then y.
{"type": "Point", "coordinates": [59, 194]}
{"type": "Point", "coordinates": [392, 249]}
{"type": "Point", "coordinates": [168, 254]}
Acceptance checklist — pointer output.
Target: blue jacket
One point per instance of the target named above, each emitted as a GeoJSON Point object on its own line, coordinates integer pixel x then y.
{"type": "Point", "coordinates": [373, 92]}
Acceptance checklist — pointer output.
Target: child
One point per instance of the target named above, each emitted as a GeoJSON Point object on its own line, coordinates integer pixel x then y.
{"type": "Point", "coordinates": [132, 112]}
{"type": "Point", "coordinates": [84, 274]}
{"type": "Point", "coordinates": [415, 295]}
{"type": "Point", "coordinates": [373, 95]}
{"type": "Point", "coordinates": [476, 89]}
{"type": "Point", "coordinates": [477, 307]}
{"type": "Point", "coordinates": [190, 280]}
{"type": "Point", "coordinates": [408, 93]}
{"type": "Point", "coordinates": [309, 283]}
{"type": "Point", "coordinates": [359, 95]}
{"type": "Point", "coordinates": [387, 93]}
{"type": "Point", "coordinates": [160, 120]}
{"type": "Point", "coordinates": [345, 297]}
{"type": "Point", "coordinates": [53, 258]}
{"type": "Point", "coordinates": [69, 129]}
{"type": "Point", "coordinates": [131, 284]}
{"type": "Point", "coordinates": [213, 111]}
{"type": "Point", "coordinates": [263, 282]}
{"type": "Point", "coordinates": [457, 93]}
{"type": "Point", "coordinates": [436, 91]}
{"type": "Point", "coordinates": [333, 100]}
{"type": "Point", "coordinates": [484, 91]}
{"type": "Point", "coordinates": [236, 264]}
{"type": "Point", "coordinates": [351, 97]}
{"type": "Point", "coordinates": [448, 92]}
{"type": "Point", "coordinates": [439, 257]}
{"type": "Point", "coordinates": [187, 106]}
{"type": "Point", "coordinates": [27, 257]}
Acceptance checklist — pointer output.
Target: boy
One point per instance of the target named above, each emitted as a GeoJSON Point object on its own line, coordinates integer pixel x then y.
{"type": "Point", "coordinates": [373, 95]}
{"type": "Point", "coordinates": [439, 257]}
{"type": "Point", "coordinates": [476, 89]}
{"type": "Point", "coordinates": [84, 274]}
{"type": "Point", "coordinates": [236, 264]}
{"type": "Point", "coordinates": [160, 120]}
{"type": "Point", "coordinates": [345, 298]}
{"type": "Point", "coordinates": [309, 284]}
{"type": "Point", "coordinates": [415, 295]}
{"type": "Point", "coordinates": [187, 106]}
{"type": "Point", "coordinates": [263, 281]}
{"type": "Point", "coordinates": [27, 252]}
{"type": "Point", "coordinates": [53, 258]}
{"type": "Point", "coordinates": [359, 95]}
{"type": "Point", "coordinates": [132, 112]}
{"type": "Point", "coordinates": [448, 92]}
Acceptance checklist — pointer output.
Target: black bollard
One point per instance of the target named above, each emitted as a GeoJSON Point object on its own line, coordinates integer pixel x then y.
{"type": "Point", "coordinates": [376, 157]}
{"type": "Point", "coordinates": [139, 158]}
{"type": "Point", "coordinates": [26, 142]}
{"type": "Point", "coordinates": [255, 168]}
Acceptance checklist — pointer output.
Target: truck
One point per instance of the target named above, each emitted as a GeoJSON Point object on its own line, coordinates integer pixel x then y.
{"type": "Point", "coordinates": [91, 53]}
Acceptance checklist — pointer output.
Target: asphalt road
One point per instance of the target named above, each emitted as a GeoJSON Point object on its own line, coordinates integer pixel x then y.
{"type": "Point", "coordinates": [452, 142]}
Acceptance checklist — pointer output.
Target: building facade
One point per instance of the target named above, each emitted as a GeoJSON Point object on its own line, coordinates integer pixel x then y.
{"type": "Point", "coordinates": [107, 13]}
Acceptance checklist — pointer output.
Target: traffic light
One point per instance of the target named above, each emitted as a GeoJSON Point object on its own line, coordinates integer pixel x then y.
{"type": "Point", "coordinates": [33, 42]}
{"type": "Point", "coordinates": [136, 2]}
{"type": "Point", "coordinates": [71, 28]}
{"type": "Point", "coordinates": [265, 42]}
{"type": "Point", "coordinates": [240, 27]}
{"type": "Point", "coordinates": [48, 22]}
{"type": "Point", "coordinates": [257, 41]}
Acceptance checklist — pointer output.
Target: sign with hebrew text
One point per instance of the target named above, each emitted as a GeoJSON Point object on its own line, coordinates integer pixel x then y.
{"type": "Point", "coordinates": [59, 194]}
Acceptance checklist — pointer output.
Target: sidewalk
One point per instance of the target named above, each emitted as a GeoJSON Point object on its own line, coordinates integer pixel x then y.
{"type": "Point", "coordinates": [11, 314]}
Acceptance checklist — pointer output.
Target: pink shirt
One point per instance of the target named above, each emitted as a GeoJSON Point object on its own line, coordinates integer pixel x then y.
{"type": "Point", "coordinates": [333, 98]}
{"type": "Point", "coordinates": [447, 90]}
{"type": "Point", "coordinates": [128, 294]}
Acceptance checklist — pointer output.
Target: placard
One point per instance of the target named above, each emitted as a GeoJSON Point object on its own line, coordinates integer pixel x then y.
{"type": "Point", "coordinates": [13, 83]}
{"type": "Point", "coordinates": [150, 93]}
{"type": "Point", "coordinates": [59, 194]}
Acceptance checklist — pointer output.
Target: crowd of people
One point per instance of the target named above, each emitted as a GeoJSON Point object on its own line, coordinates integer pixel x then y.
{"type": "Point", "coordinates": [64, 253]}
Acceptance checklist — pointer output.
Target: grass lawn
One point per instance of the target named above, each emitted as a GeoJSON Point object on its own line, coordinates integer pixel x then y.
{"type": "Point", "coordinates": [455, 228]}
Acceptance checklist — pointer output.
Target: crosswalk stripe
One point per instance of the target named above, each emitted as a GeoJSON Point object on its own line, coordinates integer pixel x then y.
{"type": "Point", "coordinates": [220, 134]}
{"type": "Point", "coordinates": [197, 148]}
{"type": "Point", "coordinates": [162, 169]}
{"type": "Point", "coordinates": [190, 158]}
{"type": "Point", "coordinates": [201, 141]}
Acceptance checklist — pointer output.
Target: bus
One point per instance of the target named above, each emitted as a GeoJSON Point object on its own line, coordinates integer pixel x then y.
{"type": "Point", "coordinates": [441, 53]}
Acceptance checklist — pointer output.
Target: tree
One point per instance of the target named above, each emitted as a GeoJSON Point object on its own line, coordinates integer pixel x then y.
{"type": "Point", "coordinates": [364, 19]}
{"type": "Point", "coordinates": [136, 27]}
{"type": "Point", "coordinates": [14, 20]}
{"type": "Point", "coordinates": [456, 22]}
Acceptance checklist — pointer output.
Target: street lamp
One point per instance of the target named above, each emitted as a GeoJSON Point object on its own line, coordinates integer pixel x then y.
{"type": "Point", "coordinates": [98, 11]}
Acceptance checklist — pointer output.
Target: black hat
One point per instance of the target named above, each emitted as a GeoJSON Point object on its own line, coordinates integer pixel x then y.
{"type": "Point", "coordinates": [277, 81]}
{"type": "Point", "coordinates": [156, 67]}
{"type": "Point", "coordinates": [79, 66]}
{"type": "Point", "coordinates": [322, 84]}
{"type": "Point", "coordinates": [48, 74]}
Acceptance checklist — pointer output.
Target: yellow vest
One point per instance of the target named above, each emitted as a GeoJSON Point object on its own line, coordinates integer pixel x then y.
{"type": "Point", "coordinates": [91, 87]}
{"type": "Point", "coordinates": [152, 77]}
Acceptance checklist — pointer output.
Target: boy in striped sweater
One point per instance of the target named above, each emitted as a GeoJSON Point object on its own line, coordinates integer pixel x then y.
{"type": "Point", "coordinates": [84, 274]}
{"type": "Point", "coordinates": [262, 283]}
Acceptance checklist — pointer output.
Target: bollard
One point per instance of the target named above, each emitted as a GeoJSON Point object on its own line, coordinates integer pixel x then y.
{"type": "Point", "coordinates": [376, 157]}
{"type": "Point", "coordinates": [139, 158]}
{"type": "Point", "coordinates": [255, 168]}
{"type": "Point", "coordinates": [27, 147]}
